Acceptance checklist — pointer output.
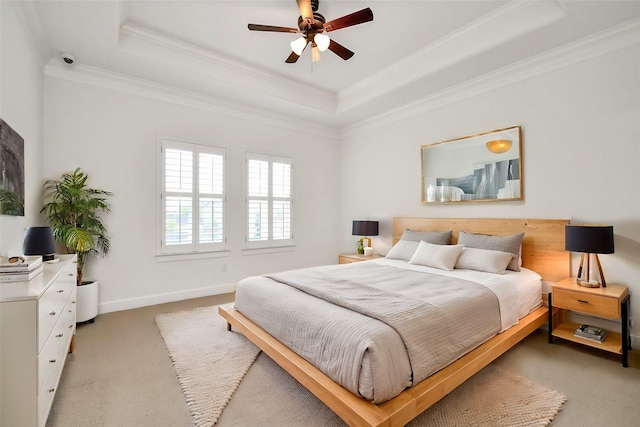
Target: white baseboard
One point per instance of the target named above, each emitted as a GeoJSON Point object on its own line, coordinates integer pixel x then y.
{"type": "Point", "coordinates": [127, 304]}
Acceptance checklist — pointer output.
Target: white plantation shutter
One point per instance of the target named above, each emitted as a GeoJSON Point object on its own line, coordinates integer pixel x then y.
{"type": "Point", "coordinates": [192, 214]}
{"type": "Point", "coordinates": [269, 201]}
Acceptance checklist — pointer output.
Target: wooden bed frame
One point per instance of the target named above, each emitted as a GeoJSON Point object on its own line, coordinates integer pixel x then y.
{"type": "Point", "coordinates": [542, 251]}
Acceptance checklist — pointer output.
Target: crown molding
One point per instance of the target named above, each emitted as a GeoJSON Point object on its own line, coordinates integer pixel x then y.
{"type": "Point", "coordinates": [98, 77]}
{"type": "Point", "coordinates": [222, 69]}
{"type": "Point", "coordinates": [30, 20]}
{"type": "Point", "coordinates": [505, 23]}
{"type": "Point", "coordinates": [603, 43]}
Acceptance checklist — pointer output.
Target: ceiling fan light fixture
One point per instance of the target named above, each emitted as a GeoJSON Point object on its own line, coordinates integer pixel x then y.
{"type": "Point", "coordinates": [322, 40]}
{"type": "Point", "coordinates": [298, 45]}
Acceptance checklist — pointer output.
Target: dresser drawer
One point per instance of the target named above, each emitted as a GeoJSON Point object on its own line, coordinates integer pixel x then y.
{"type": "Point", "coordinates": [47, 392]}
{"type": "Point", "coordinates": [56, 347]}
{"type": "Point", "coordinates": [52, 303]}
{"type": "Point", "coordinates": [588, 303]}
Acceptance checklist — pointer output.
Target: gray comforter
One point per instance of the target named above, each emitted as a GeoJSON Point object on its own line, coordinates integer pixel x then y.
{"type": "Point", "coordinates": [374, 329]}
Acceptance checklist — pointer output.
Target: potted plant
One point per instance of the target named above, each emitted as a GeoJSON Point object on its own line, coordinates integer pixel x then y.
{"type": "Point", "coordinates": [73, 210]}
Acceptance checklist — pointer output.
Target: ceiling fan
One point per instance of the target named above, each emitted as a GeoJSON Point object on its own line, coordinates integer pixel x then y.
{"type": "Point", "coordinates": [313, 28]}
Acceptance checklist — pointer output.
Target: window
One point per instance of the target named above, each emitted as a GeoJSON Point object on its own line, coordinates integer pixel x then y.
{"type": "Point", "coordinates": [269, 201]}
{"type": "Point", "coordinates": [192, 198]}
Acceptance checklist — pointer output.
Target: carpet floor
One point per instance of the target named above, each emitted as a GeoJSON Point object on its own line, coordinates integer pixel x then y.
{"type": "Point", "coordinates": [209, 362]}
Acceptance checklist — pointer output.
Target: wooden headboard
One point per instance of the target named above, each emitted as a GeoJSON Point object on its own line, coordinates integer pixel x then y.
{"type": "Point", "coordinates": [542, 247]}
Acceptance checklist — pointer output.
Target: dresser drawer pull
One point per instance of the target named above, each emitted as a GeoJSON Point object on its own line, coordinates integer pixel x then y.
{"type": "Point", "coordinates": [52, 360]}
{"type": "Point", "coordinates": [53, 313]}
{"type": "Point", "coordinates": [583, 301]}
{"type": "Point", "coordinates": [70, 326]}
{"type": "Point", "coordinates": [59, 335]}
{"type": "Point", "coordinates": [52, 389]}
{"type": "Point", "coordinates": [60, 291]}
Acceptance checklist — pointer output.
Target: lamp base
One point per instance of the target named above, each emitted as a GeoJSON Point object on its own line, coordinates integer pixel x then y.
{"type": "Point", "coordinates": [589, 284]}
{"type": "Point", "coordinates": [584, 277]}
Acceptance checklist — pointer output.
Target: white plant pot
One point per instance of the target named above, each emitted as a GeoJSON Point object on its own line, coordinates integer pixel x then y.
{"type": "Point", "coordinates": [87, 301]}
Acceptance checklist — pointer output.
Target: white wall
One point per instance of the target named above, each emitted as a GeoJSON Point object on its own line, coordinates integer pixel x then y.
{"type": "Point", "coordinates": [21, 86]}
{"type": "Point", "coordinates": [113, 136]}
{"type": "Point", "coordinates": [581, 157]}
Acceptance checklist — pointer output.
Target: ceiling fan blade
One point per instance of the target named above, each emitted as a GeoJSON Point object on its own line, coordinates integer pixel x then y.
{"type": "Point", "coordinates": [292, 58]}
{"type": "Point", "coordinates": [259, 27]}
{"type": "Point", "coordinates": [355, 18]}
{"type": "Point", "coordinates": [340, 50]}
{"type": "Point", "coordinates": [305, 10]}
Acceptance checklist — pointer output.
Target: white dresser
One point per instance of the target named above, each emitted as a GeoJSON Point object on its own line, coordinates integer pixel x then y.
{"type": "Point", "coordinates": [37, 325]}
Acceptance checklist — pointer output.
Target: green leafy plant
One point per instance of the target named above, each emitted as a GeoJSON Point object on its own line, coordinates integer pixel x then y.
{"type": "Point", "coordinates": [73, 211]}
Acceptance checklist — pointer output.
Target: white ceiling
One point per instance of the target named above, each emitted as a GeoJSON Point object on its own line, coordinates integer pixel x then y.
{"type": "Point", "coordinates": [411, 50]}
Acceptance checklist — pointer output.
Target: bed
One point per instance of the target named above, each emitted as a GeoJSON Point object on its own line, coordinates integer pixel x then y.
{"type": "Point", "coordinates": [410, 392]}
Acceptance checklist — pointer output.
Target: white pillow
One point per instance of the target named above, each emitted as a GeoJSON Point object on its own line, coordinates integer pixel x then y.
{"type": "Point", "coordinates": [438, 256]}
{"type": "Point", "coordinates": [484, 260]}
{"type": "Point", "coordinates": [404, 249]}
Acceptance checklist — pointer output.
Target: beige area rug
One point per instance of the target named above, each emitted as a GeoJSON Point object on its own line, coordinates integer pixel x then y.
{"type": "Point", "coordinates": [208, 360]}
{"type": "Point", "coordinates": [205, 361]}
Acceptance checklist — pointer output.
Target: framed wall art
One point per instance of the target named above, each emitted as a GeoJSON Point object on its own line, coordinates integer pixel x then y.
{"type": "Point", "coordinates": [11, 171]}
{"type": "Point", "coordinates": [476, 168]}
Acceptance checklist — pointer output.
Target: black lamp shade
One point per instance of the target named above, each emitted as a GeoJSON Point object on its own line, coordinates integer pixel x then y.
{"type": "Point", "coordinates": [591, 239]}
{"type": "Point", "coordinates": [365, 228]}
{"type": "Point", "coordinates": [39, 241]}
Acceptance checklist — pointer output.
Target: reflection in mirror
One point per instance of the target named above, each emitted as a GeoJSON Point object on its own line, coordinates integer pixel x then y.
{"type": "Point", "coordinates": [11, 171]}
{"type": "Point", "coordinates": [483, 167]}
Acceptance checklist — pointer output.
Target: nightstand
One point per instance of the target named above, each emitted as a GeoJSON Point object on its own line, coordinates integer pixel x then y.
{"type": "Point", "coordinates": [610, 303]}
{"type": "Point", "coordinates": [349, 258]}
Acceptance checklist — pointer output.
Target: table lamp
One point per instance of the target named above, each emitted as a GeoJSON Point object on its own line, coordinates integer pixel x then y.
{"type": "Point", "coordinates": [364, 228]}
{"type": "Point", "coordinates": [589, 240]}
{"type": "Point", "coordinates": [39, 241]}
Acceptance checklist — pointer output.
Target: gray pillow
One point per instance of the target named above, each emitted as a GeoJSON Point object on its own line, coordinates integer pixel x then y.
{"type": "Point", "coordinates": [510, 244]}
{"type": "Point", "coordinates": [435, 237]}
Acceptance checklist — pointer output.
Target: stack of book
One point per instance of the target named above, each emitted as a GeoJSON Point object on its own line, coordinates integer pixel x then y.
{"type": "Point", "coordinates": [16, 269]}
{"type": "Point", "coordinates": [592, 333]}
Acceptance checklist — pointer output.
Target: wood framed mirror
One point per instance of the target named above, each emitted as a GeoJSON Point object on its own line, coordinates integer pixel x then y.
{"type": "Point", "coordinates": [477, 168]}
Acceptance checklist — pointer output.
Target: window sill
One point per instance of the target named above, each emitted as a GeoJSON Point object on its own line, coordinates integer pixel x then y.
{"type": "Point", "coordinates": [271, 250]}
{"type": "Point", "coordinates": [191, 256]}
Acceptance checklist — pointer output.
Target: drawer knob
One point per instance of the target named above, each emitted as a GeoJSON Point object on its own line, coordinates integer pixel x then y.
{"type": "Point", "coordinates": [59, 335]}
{"type": "Point", "coordinates": [70, 326]}
{"type": "Point", "coordinates": [52, 389]}
{"type": "Point", "coordinates": [583, 301]}
{"type": "Point", "coordinates": [60, 291]}
{"type": "Point", "coordinates": [52, 360]}
{"type": "Point", "coordinates": [53, 313]}
{"type": "Point", "coordinates": [70, 274]}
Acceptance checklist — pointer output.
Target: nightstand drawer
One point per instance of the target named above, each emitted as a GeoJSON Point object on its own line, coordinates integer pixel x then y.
{"type": "Point", "coordinates": [587, 303]}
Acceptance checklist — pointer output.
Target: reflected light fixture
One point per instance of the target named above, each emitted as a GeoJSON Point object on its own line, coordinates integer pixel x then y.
{"type": "Point", "coordinates": [499, 146]}
{"type": "Point", "coordinates": [589, 240]}
{"type": "Point", "coordinates": [322, 40]}
{"type": "Point", "coordinates": [298, 45]}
